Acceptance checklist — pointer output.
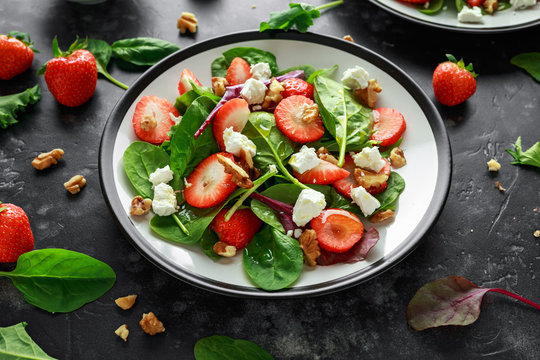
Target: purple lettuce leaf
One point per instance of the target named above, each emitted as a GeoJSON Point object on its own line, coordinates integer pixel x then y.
{"type": "Point", "coordinates": [357, 253]}
{"type": "Point", "coordinates": [283, 211]}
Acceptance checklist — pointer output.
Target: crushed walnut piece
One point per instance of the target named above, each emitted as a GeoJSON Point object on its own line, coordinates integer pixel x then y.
{"type": "Point", "coordinates": [491, 6]}
{"type": "Point", "coordinates": [140, 206]}
{"type": "Point", "coordinates": [126, 302]}
{"type": "Point", "coordinates": [239, 176]}
{"type": "Point", "coordinates": [348, 38]}
{"type": "Point", "coordinates": [310, 246]}
{"type": "Point", "coordinates": [325, 155]}
{"type": "Point", "coordinates": [397, 158]}
{"type": "Point", "coordinates": [75, 184]}
{"type": "Point", "coordinates": [122, 332]}
{"type": "Point", "coordinates": [46, 160]}
{"type": "Point", "coordinates": [224, 249]}
{"type": "Point", "coordinates": [151, 325]}
{"type": "Point", "coordinates": [493, 165]}
{"type": "Point", "coordinates": [535, 210]}
{"type": "Point", "coordinates": [273, 95]}
{"type": "Point", "coordinates": [367, 178]}
{"type": "Point", "coordinates": [246, 163]}
{"type": "Point", "coordinates": [187, 22]}
{"type": "Point", "coordinates": [368, 95]}
{"type": "Point", "coordinates": [537, 234]}
{"type": "Point", "coordinates": [148, 122]}
{"type": "Point", "coordinates": [381, 216]}
{"type": "Point", "coordinates": [219, 85]}
{"type": "Point", "coordinates": [499, 186]}
{"type": "Point", "coordinates": [310, 113]}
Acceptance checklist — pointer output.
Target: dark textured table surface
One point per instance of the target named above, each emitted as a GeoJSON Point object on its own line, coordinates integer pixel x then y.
{"type": "Point", "coordinates": [482, 234]}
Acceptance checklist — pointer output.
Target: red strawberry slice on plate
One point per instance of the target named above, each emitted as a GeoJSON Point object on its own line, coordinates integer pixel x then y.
{"type": "Point", "coordinates": [240, 228]}
{"type": "Point", "coordinates": [210, 184]}
{"type": "Point", "coordinates": [184, 85]}
{"type": "Point", "coordinates": [388, 126]}
{"type": "Point", "coordinates": [343, 186]}
{"type": "Point", "coordinates": [337, 230]}
{"type": "Point", "coordinates": [295, 86]}
{"type": "Point", "coordinates": [16, 237]}
{"type": "Point", "coordinates": [235, 113]}
{"type": "Point", "coordinates": [238, 72]}
{"type": "Point", "coordinates": [291, 120]}
{"type": "Point", "coordinates": [152, 120]}
{"type": "Point", "coordinates": [323, 174]}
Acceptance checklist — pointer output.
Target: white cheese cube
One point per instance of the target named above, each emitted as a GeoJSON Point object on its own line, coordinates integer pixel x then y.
{"type": "Point", "coordinates": [164, 202]}
{"type": "Point", "coordinates": [369, 159]}
{"type": "Point", "coordinates": [367, 202]}
{"type": "Point", "coordinates": [310, 204]}
{"type": "Point", "coordinates": [253, 91]}
{"type": "Point", "coordinates": [235, 142]}
{"type": "Point", "coordinates": [261, 71]}
{"type": "Point", "coordinates": [355, 78]}
{"type": "Point", "coordinates": [304, 160]}
{"type": "Point", "coordinates": [161, 175]}
{"type": "Point", "coordinates": [297, 233]}
{"type": "Point", "coordinates": [470, 15]}
{"type": "Point", "coordinates": [522, 4]}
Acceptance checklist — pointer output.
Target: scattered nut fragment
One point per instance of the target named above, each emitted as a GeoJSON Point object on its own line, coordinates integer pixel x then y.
{"type": "Point", "coordinates": [273, 95]}
{"type": "Point", "coordinates": [310, 113]}
{"type": "Point", "coordinates": [239, 176]}
{"type": "Point", "coordinates": [499, 186]}
{"type": "Point", "coordinates": [537, 234]}
{"type": "Point", "coordinates": [310, 246]}
{"type": "Point", "coordinates": [123, 332]}
{"type": "Point", "coordinates": [491, 5]}
{"type": "Point", "coordinates": [140, 206]}
{"type": "Point", "coordinates": [148, 122]}
{"type": "Point", "coordinates": [45, 160]}
{"type": "Point", "coordinates": [367, 179]}
{"type": "Point", "coordinates": [397, 158]}
{"type": "Point", "coordinates": [381, 216]}
{"type": "Point", "coordinates": [493, 165]}
{"type": "Point", "coordinates": [326, 156]}
{"type": "Point", "coordinates": [75, 184]}
{"type": "Point", "coordinates": [126, 302]}
{"type": "Point", "coordinates": [187, 22]}
{"type": "Point", "coordinates": [150, 324]}
{"type": "Point", "coordinates": [348, 38]}
{"type": "Point", "coordinates": [224, 249]}
{"type": "Point", "coordinates": [368, 96]}
{"type": "Point", "coordinates": [246, 163]}
{"type": "Point", "coordinates": [219, 85]}
{"type": "Point", "coordinates": [535, 210]}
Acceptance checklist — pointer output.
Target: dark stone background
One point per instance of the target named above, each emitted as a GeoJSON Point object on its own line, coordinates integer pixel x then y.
{"type": "Point", "coordinates": [482, 234]}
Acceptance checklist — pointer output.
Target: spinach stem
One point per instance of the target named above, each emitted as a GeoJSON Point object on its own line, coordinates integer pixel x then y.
{"type": "Point", "coordinates": [180, 225]}
{"type": "Point", "coordinates": [329, 5]}
{"type": "Point", "coordinates": [342, 148]}
{"type": "Point", "coordinates": [284, 170]}
{"type": "Point", "coordinates": [114, 81]}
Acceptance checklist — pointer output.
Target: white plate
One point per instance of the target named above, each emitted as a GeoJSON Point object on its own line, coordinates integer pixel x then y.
{"type": "Point", "coordinates": [506, 20]}
{"type": "Point", "coordinates": [425, 144]}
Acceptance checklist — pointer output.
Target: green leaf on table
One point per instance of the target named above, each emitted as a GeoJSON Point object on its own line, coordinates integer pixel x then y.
{"type": "Point", "coordinates": [219, 347]}
{"type": "Point", "coordinates": [529, 157]}
{"type": "Point", "coordinates": [388, 198]}
{"type": "Point", "coordinates": [10, 105]}
{"type": "Point", "coordinates": [15, 343]}
{"type": "Point", "coordinates": [102, 51]}
{"type": "Point", "coordinates": [143, 51]}
{"type": "Point", "coordinates": [272, 259]}
{"type": "Point", "coordinates": [308, 70]}
{"type": "Point", "coordinates": [59, 280]}
{"type": "Point", "coordinates": [530, 62]}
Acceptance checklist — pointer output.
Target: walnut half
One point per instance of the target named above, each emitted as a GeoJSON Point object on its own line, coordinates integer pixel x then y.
{"type": "Point", "coordinates": [75, 184]}
{"type": "Point", "coordinates": [45, 160]}
{"type": "Point", "coordinates": [151, 325]}
{"type": "Point", "coordinates": [239, 176]}
{"type": "Point", "coordinates": [224, 249]}
{"type": "Point", "coordinates": [367, 179]}
{"type": "Point", "coordinates": [325, 155]}
{"type": "Point", "coordinates": [381, 216]}
{"type": "Point", "coordinates": [140, 206]}
{"type": "Point", "coordinates": [187, 22]}
{"type": "Point", "coordinates": [310, 246]}
{"type": "Point", "coordinates": [397, 158]}
{"type": "Point", "coordinates": [368, 96]}
{"type": "Point", "coordinates": [491, 6]}
{"type": "Point", "coordinates": [273, 95]}
{"type": "Point", "coordinates": [219, 85]}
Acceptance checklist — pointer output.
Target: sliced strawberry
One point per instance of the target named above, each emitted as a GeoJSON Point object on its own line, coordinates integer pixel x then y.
{"type": "Point", "coordinates": [290, 119]}
{"type": "Point", "coordinates": [184, 85]}
{"type": "Point", "coordinates": [238, 72]}
{"type": "Point", "coordinates": [474, 3]}
{"type": "Point", "coordinates": [235, 113]}
{"type": "Point", "coordinates": [344, 186]}
{"type": "Point", "coordinates": [388, 126]}
{"type": "Point", "coordinates": [337, 230]}
{"type": "Point", "coordinates": [295, 86]}
{"type": "Point", "coordinates": [210, 184]}
{"type": "Point", "coordinates": [240, 228]}
{"type": "Point", "coordinates": [323, 174]}
{"type": "Point", "coordinates": [152, 120]}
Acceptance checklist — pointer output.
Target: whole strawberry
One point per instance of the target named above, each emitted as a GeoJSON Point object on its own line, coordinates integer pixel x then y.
{"type": "Point", "coordinates": [453, 82]}
{"type": "Point", "coordinates": [71, 76]}
{"type": "Point", "coordinates": [15, 234]}
{"type": "Point", "coordinates": [16, 54]}
{"type": "Point", "coordinates": [240, 228]}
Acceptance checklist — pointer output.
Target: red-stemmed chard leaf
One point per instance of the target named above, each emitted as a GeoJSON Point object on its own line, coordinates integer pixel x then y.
{"type": "Point", "coordinates": [450, 301]}
{"type": "Point", "coordinates": [232, 92]}
{"type": "Point", "coordinates": [357, 253]}
{"type": "Point", "coordinates": [283, 211]}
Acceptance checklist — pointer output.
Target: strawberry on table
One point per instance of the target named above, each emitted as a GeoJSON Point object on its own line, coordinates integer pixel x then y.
{"type": "Point", "coordinates": [16, 54]}
{"type": "Point", "coordinates": [240, 228]}
{"type": "Point", "coordinates": [234, 113]}
{"type": "Point", "coordinates": [295, 86]}
{"type": "Point", "coordinates": [344, 186]}
{"type": "Point", "coordinates": [337, 230]}
{"type": "Point", "coordinates": [16, 237]}
{"type": "Point", "coordinates": [184, 85]}
{"type": "Point", "coordinates": [238, 72]}
{"type": "Point", "coordinates": [453, 82]}
{"type": "Point", "coordinates": [298, 118]}
{"type": "Point", "coordinates": [323, 174]}
{"type": "Point", "coordinates": [388, 126]}
{"type": "Point", "coordinates": [152, 120]}
{"type": "Point", "coordinates": [210, 184]}
{"type": "Point", "coordinates": [71, 76]}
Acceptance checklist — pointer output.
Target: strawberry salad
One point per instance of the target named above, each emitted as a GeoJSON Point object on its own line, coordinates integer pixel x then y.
{"type": "Point", "coordinates": [285, 167]}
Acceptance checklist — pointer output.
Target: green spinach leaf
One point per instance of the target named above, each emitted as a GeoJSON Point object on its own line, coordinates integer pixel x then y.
{"type": "Point", "coordinates": [529, 157]}
{"type": "Point", "coordinates": [208, 240]}
{"type": "Point", "coordinates": [102, 52]}
{"type": "Point", "coordinates": [308, 70]}
{"type": "Point", "coordinates": [219, 67]}
{"type": "Point", "coordinates": [530, 62]}
{"type": "Point", "coordinates": [225, 348]}
{"type": "Point", "coordinates": [388, 198]}
{"type": "Point", "coordinates": [184, 101]}
{"type": "Point", "coordinates": [143, 51]}
{"type": "Point", "coordinates": [272, 259]}
{"type": "Point", "coordinates": [15, 343]}
{"type": "Point", "coordinates": [11, 104]}
{"type": "Point", "coordinates": [252, 56]}
{"type": "Point", "coordinates": [434, 7]}
{"type": "Point", "coordinates": [59, 280]}
{"type": "Point", "coordinates": [321, 72]}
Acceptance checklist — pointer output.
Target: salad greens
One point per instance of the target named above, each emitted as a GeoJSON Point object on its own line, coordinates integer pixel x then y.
{"type": "Point", "coordinates": [15, 343]}
{"type": "Point", "coordinates": [435, 6]}
{"type": "Point", "coordinates": [528, 157]}
{"type": "Point", "coordinates": [395, 187]}
{"type": "Point", "coordinates": [219, 347]}
{"type": "Point", "coordinates": [10, 105]}
{"type": "Point", "coordinates": [529, 62]}
{"type": "Point", "coordinates": [250, 54]}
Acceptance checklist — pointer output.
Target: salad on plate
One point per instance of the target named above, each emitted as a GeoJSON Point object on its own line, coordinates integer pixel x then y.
{"type": "Point", "coordinates": [287, 167]}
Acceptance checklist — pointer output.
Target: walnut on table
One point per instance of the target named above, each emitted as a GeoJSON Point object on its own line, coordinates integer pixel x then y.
{"type": "Point", "coordinates": [348, 38]}
{"type": "Point", "coordinates": [493, 165]}
{"type": "Point", "coordinates": [187, 22]}
{"type": "Point", "coordinates": [126, 302]}
{"type": "Point", "coordinates": [151, 325]}
{"type": "Point", "coordinates": [46, 160]}
{"type": "Point", "coordinates": [75, 184]}
{"type": "Point", "coordinates": [122, 332]}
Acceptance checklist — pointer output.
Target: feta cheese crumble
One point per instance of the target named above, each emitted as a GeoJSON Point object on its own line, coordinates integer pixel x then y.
{"type": "Point", "coordinates": [161, 175]}
{"type": "Point", "coordinates": [470, 15]}
{"type": "Point", "coordinates": [297, 233]}
{"type": "Point", "coordinates": [261, 71]}
{"type": "Point", "coordinates": [164, 202]}
{"type": "Point", "coordinates": [235, 142]}
{"type": "Point", "coordinates": [304, 160]}
{"type": "Point", "coordinates": [290, 233]}
{"type": "Point", "coordinates": [369, 159]}
{"type": "Point", "coordinates": [355, 78]}
{"type": "Point", "coordinates": [367, 203]}
{"type": "Point", "coordinates": [253, 91]}
{"type": "Point", "coordinates": [522, 4]}
{"type": "Point", "coordinates": [310, 204]}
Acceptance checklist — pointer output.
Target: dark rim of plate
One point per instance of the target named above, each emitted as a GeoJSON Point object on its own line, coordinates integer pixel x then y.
{"type": "Point", "coordinates": [408, 245]}
{"type": "Point", "coordinates": [462, 29]}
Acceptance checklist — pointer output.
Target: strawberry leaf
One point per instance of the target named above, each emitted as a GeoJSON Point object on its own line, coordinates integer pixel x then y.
{"type": "Point", "coordinates": [24, 38]}
{"type": "Point", "coordinates": [10, 105]}
{"type": "Point", "coordinates": [529, 157]}
{"type": "Point", "coordinates": [461, 64]}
